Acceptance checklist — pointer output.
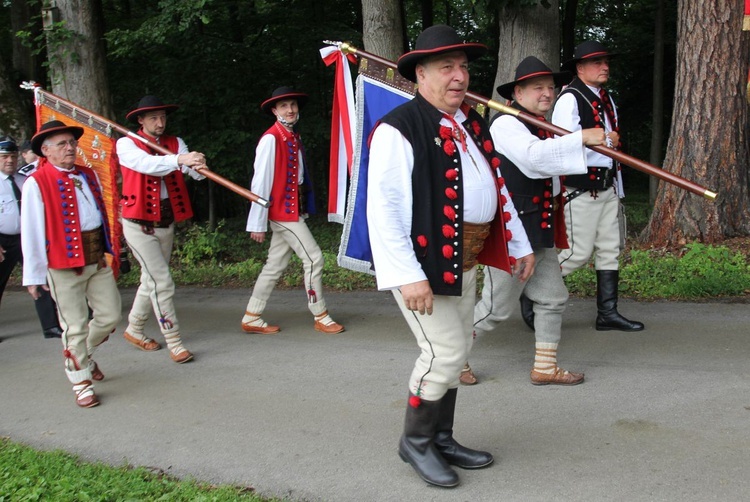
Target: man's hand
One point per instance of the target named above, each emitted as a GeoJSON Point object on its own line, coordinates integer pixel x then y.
{"type": "Point", "coordinates": [614, 138]}
{"type": "Point", "coordinates": [594, 136]}
{"type": "Point", "coordinates": [192, 159]}
{"type": "Point", "coordinates": [524, 267]}
{"type": "Point", "coordinates": [258, 236]}
{"type": "Point", "coordinates": [34, 290]}
{"type": "Point", "coordinates": [418, 296]}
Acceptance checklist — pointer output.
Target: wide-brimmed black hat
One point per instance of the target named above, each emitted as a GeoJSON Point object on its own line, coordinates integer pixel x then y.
{"type": "Point", "coordinates": [529, 68]}
{"type": "Point", "coordinates": [149, 104]}
{"type": "Point", "coordinates": [283, 92]}
{"type": "Point", "coordinates": [8, 145]}
{"type": "Point", "coordinates": [589, 49]}
{"type": "Point", "coordinates": [437, 39]}
{"type": "Point", "coordinates": [50, 128]}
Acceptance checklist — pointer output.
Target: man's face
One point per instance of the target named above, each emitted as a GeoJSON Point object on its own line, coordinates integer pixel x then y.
{"type": "Point", "coordinates": [287, 109]}
{"type": "Point", "coordinates": [29, 156]}
{"type": "Point", "coordinates": [443, 80]}
{"type": "Point", "coordinates": [593, 72]}
{"type": "Point", "coordinates": [60, 150]}
{"type": "Point", "coordinates": [153, 123]}
{"type": "Point", "coordinates": [8, 163]}
{"type": "Point", "coordinates": [536, 94]}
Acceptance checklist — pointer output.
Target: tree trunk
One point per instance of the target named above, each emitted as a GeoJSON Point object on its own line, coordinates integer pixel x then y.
{"type": "Point", "coordinates": [382, 32]}
{"type": "Point", "coordinates": [708, 140]}
{"type": "Point", "coordinates": [657, 106]}
{"type": "Point", "coordinates": [77, 57]}
{"type": "Point", "coordinates": [569, 29]}
{"type": "Point", "coordinates": [25, 18]}
{"type": "Point", "coordinates": [527, 31]}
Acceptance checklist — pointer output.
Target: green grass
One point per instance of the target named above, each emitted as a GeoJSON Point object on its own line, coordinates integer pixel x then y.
{"type": "Point", "coordinates": [30, 475]}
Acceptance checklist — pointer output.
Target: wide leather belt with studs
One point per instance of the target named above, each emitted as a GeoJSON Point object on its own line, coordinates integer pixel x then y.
{"type": "Point", "coordinates": [474, 236]}
{"type": "Point", "coordinates": [92, 242]}
{"type": "Point", "coordinates": [167, 217]}
{"type": "Point", "coordinates": [597, 178]}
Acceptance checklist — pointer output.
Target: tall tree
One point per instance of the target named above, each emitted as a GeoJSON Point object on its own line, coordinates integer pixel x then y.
{"type": "Point", "coordinates": [527, 29]}
{"type": "Point", "coordinates": [657, 106]}
{"type": "Point", "coordinates": [382, 28]}
{"type": "Point", "coordinates": [708, 141]}
{"type": "Point", "coordinates": [13, 120]}
{"type": "Point", "coordinates": [77, 55]}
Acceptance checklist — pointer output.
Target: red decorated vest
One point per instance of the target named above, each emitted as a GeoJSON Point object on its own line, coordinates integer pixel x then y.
{"type": "Point", "coordinates": [285, 188]}
{"type": "Point", "coordinates": [62, 226]}
{"type": "Point", "coordinates": [140, 199]}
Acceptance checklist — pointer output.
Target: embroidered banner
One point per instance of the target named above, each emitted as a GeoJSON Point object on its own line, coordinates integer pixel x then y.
{"type": "Point", "coordinates": [95, 150]}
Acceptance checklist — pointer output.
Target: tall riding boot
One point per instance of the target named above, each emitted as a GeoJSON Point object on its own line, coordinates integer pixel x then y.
{"type": "Point", "coordinates": [449, 448]}
{"type": "Point", "coordinates": [608, 317]}
{"type": "Point", "coordinates": [527, 311]}
{"type": "Point", "coordinates": [417, 448]}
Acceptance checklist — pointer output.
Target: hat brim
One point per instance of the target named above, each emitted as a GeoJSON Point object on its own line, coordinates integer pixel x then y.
{"type": "Point", "coordinates": [38, 139]}
{"type": "Point", "coordinates": [560, 79]}
{"type": "Point", "coordinates": [268, 104]}
{"type": "Point", "coordinates": [570, 65]}
{"type": "Point", "coordinates": [133, 115]}
{"type": "Point", "coordinates": [407, 64]}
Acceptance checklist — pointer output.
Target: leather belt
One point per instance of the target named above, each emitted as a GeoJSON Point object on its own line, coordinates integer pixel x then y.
{"type": "Point", "coordinates": [597, 178]}
{"type": "Point", "coordinates": [167, 217]}
{"type": "Point", "coordinates": [474, 236]}
{"type": "Point", "coordinates": [92, 242]}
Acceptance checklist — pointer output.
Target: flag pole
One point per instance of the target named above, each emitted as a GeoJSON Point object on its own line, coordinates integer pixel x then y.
{"type": "Point", "coordinates": [107, 126]}
{"type": "Point", "coordinates": [621, 157]}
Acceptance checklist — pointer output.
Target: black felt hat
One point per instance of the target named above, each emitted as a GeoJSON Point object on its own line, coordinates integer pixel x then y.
{"type": "Point", "coordinates": [589, 49]}
{"type": "Point", "coordinates": [149, 104]}
{"type": "Point", "coordinates": [50, 128]}
{"type": "Point", "coordinates": [283, 92]}
{"type": "Point", "coordinates": [529, 68]}
{"type": "Point", "coordinates": [437, 39]}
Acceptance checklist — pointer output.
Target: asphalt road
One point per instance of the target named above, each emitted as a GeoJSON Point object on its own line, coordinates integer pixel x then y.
{"type": "Point", "coordinates": [663, 415]}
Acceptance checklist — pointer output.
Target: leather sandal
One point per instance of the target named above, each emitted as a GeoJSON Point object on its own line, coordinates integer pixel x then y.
{"type": "Point", "coordinates": [96, 373]}
{"type": "Point", "coordinates": [259, 326]}
{"type": "Point", "coordinates": [85, 397]}
{"type": "Point", "coordinates": [559, 377]}
{"type": "Point", "coordinates": [325, 324]}
{"type": "Point", "coordinates": [182, 356]}
{"type": "Point", "coordinates": [146, 344]}
{"type": "Point", "coordinates": [467, 376]}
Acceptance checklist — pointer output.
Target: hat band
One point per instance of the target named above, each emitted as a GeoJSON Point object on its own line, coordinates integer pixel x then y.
{"type": "Point", "coordinates": [595, 54]}
{"type": "Point", "coordinates": [535, 74]}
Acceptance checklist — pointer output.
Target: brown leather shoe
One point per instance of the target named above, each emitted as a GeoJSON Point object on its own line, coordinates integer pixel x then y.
{"type": "Point", "coordinates": [146, 344]}
{"type": "Point", "coordinates": [96, 373]}
{"type": "Point", "coordinates": [325, 324]}
{"type": "Point", "coordinates": [260, 330]}
{"type": "Point", "coordinates": [559, 377]}
{"type": "Point", "coordinates": [85, 397]}
{"type": "Point", "coordinates": [182, 357]}
{"type": "Point", "coordinates": [467, 376]}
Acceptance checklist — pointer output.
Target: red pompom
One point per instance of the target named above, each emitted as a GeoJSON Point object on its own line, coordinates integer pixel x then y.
{"type": "Point", "coordinates": [477, 128]}
{"type": "Point", "coordinates": [503, 199]}
{"type": "Point", "coordinates": [422, 240]}
{"type": "Point", "coordinates": [545, 224]}
{"type": "Point", "coordinates": [449, 147]}
{"type": "Point", "coordinates": [506, 216]}
{"type": "Point", "coordinates": [446, 132]}
{"type": "Point", "coordinates": [447, 252]}
{"type": "Point", "coordinates": [449, 213]}
{"type": "Point", "coordinates": [546, 204]}
{"type": "Point", "coordinates": [451, 174]}
{"type": "Point", "coordinates": [451, 194]}
{"type": "Point", "coordinates": [592, 176]}
{"type": "Point", "coordinates": [488, 146]}
{"type": "Point", "coordinates": [415, 401]}
{"type": "Point", "coordinates": [501, 182]}
{"type": "Point", "coordinates": [495, 162]}
{"type": "Point", "coordinates": [67, 354]}
{"type": "Point", "coordinates": [448, 232]}
{"type": "Point", "coordinates": [508, 235]}
{"type": "Point", "coordinates": [535, 199]}
{"type": "Point", "coordinates": [547, 194]}
{"type": "Point", "coordinates": [449, 278]}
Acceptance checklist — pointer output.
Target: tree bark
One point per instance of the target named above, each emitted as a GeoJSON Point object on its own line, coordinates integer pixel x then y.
{"type": "Point", "coordinates": [382, 28]}
{"type": "Point", "coordinates": [657, 105]}
{"type": "Point", "coordinates": [527, 31]}
{"type": "Point", "coordinates": [708, 140]}
{"type": "Point", "coordinates": [77, 56]}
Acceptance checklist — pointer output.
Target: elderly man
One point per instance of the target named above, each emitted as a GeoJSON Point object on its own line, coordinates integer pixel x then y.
{"type": "Point", "coordinates": [436, 207]}
{"type": "Point", "coordinates": [64, 235]}
{"type": "Point", "coordinates": [10, 232]}
{"type": "Point", "coordinates": [154, 198]}
{"type": "Point", "coordinates": [532, 164]}
{"type": "Point", "coordinates": [591, 213]}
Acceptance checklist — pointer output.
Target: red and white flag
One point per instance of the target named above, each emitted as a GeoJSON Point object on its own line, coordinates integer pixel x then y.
{"type": "Point", "coordinates": [342, 131]}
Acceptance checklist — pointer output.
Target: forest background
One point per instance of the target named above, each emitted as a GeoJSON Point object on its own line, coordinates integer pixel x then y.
{"type": "Point", "coordinates": [678, 63]}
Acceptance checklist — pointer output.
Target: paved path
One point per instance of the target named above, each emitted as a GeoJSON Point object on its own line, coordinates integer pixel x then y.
{"type": "Point", "coordinates": [663, 415]}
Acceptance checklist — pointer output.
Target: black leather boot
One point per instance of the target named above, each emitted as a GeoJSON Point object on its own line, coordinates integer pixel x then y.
{"type": "Point", "coordinates": [608, 317]}
{"type": "Point", "coordinates": [417, 448]}
{"type": "Point", "coordinates": [46, 311]}
{"type": "Point", "coordinates": [527, 311]}
{"type": "Point", "coordinates": [449, 448]}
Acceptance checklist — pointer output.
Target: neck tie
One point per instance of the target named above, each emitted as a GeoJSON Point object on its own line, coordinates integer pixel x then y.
{"type": "Point", "coordinates": [16, 191]}
{"type": "Point", "coordinates": [458, 133]}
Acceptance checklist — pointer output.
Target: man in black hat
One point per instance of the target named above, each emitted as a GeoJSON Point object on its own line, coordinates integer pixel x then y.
{"type": "Point", "coordinates": [154, 197]}
{"type": "Point", "coordinates": [593, 198]}
{"type": "Point", "coordinates": [10, 232]}
{"type": "Point", "coordinates": [282, 176]}
{"type": "Point", "coordinates": [532, 163]}
{"type": "Point", "coordinates": [435, 208]}
{"type": "Point", "coordinates": [64, 235]}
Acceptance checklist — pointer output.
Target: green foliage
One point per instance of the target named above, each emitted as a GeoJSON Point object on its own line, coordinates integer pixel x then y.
{"type": "Point", "coordinates": [26, 474]}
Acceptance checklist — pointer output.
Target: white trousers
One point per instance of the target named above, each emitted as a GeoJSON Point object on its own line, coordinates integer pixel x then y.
{"type": "Point", "coordinates": [545, 288]}
{"type": "Point", "coordinates": [156, 291]}
{"type": "Point", "coordinates": [444, 339]}
{"type": "Point", "coordinates": [592, 229]}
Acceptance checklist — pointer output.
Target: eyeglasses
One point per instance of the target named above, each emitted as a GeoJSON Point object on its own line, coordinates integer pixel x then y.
{"type": "Point", "coordinates": [63, 144]}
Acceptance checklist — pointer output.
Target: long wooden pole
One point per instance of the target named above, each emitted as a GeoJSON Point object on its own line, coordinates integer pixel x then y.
{"type": "Point", "coordinates": [528, 118]}
{"type": "Point", "coordinates": [104, 125]}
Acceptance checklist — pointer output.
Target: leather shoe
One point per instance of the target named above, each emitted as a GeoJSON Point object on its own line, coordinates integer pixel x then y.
{"type": "Point", "coordinates": [181, 357]}
{"type": "Point", "coordinates": [559, 377]}
{"type": "Point", "coordinates": [96, 373]}
{"type": "Point", "coordinates": [325, 324]}
{"type": "Point", "coordinates": [55, 332]}
{"type": "Point", "coordinates": [467, 376]}
{"type": "Point", "coordinates": [146, 344]}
